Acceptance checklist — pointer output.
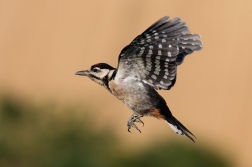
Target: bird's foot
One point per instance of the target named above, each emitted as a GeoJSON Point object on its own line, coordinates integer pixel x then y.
{"type": "Point", "coordinates": [131, 122]}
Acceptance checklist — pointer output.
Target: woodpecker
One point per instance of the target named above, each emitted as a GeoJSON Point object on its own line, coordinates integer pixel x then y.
{"type": "Point", "coordinates": [147, 64]}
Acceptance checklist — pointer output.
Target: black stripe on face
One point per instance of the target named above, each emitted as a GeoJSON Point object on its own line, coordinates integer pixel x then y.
{"type": "Point", "coordinates": [113, 75]}
{"type": "Point", "coordinates": [93, 76]}
{"type": "Point", "coordinates": [106, 81]}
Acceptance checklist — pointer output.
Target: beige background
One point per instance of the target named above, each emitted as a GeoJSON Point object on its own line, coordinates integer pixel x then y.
{"type": "Point", "coordinates": [42, 44]}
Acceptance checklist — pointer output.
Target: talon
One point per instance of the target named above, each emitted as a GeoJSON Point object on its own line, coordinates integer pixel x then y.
{"type": "Point", "coordinates": [134, 118]}
{"type": "Point", "coordinates": [140, 121]}
{"type": "Point", "coordinates": [134, 126]}
{"type": "Point", "coordinates": [129, 128]}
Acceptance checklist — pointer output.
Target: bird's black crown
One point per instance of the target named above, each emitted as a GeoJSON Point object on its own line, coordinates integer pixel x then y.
{"type": "Point", "coordinates": [102, 66]}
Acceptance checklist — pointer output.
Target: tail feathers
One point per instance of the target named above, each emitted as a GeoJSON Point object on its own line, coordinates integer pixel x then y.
{"type": "Point", "coordinates": [179, 128]}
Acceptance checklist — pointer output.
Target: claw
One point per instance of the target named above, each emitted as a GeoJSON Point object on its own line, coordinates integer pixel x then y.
{"type": "Point", "coordinates": [140, 121]}
{"type": "Point", "coordinates": [134, 118]}
{"type": "Point", "coordinates": [137, 129]}
{"type": "Point", "coordinates": [129, 127]}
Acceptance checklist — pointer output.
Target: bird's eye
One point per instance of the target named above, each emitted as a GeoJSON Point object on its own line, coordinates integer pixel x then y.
{"type": "Point", "coordinates": [95, 70]}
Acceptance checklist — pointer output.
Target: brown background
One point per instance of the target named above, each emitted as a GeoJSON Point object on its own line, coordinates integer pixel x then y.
{"type": "Point", "coordinates": [42, 44]}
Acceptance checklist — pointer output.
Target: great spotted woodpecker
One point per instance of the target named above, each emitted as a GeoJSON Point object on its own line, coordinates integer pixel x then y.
{"type": "Point", "coordinates": [147, 64]}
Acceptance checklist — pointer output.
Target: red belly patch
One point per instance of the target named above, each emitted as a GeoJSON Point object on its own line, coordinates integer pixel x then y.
{"type": "Point", "coordinates": [156, 113]}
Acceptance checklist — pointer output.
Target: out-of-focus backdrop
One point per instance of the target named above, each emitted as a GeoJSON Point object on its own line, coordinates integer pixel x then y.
{"type": "Point", "coordinates": [51, 117]}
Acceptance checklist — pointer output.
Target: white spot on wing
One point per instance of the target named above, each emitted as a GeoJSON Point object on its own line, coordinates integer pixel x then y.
{"type": "Point", "coordinates": [154, 77]}
{"type": "Point", "coordinates": [148, 63]}
{"type": "Point", "coordinates": [148, 68]}
{"type": "Point", "coordinates": [146, 72]}
{"type": "Point", "coordinates": [148, 55]}
{"type": "Point", "coordinates": [157, 62]}
{"type": "Point", "coordinates": [143, 75]}
{"type": "Point", "coordinates": [150, 81]}
{"type": "Point", "coordinates": [148, 59]}
{"type": "Point", "coordinates": [140, 53]}
{"type": "Point", "coordinates": [156, 72]}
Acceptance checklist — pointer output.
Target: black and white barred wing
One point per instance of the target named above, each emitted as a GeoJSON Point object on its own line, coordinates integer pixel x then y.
{"type": "Point", "coordinates": [154, 55]}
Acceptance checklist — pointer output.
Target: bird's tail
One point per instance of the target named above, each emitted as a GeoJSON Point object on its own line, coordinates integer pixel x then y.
{"type": "Point", "coordinates": [179, 128]}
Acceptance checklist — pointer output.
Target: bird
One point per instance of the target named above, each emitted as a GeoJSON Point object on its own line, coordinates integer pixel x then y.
{"type": "Point", "coordinates": [149, 63]}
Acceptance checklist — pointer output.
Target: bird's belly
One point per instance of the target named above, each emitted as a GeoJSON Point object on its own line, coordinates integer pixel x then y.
{"type": "Point", "coordinates": [133, 96]}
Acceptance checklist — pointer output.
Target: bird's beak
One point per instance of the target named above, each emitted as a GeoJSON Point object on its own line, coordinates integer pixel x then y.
{"type": "Point", "coordinates": [82, 73]}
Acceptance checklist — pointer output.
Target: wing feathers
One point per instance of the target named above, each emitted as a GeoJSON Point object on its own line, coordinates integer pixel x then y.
{"type": "Point", "coordinates": [156, 24]}
{"type": "Point", "coordinates": [187, 44]}
{"type": "Point", "coordinates": [155, 54]}
{"type": "Point", "coordinates": [190, 36]}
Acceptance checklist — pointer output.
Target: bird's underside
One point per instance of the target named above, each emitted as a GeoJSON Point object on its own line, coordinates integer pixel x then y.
{"type": "Point", "coordinates": [149, 62]}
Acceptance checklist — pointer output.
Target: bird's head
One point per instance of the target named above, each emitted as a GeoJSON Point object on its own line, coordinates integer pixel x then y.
{"type": "Point", "coordinates": [100, 73]}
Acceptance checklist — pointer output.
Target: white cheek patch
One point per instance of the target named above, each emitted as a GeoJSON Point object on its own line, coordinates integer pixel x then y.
{"type": "Point", "coordinates": [96, 80]}
{"type": "Point", "coordinates": [175, 129]}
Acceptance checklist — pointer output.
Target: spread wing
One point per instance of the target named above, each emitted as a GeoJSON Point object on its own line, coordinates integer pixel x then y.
{"type": "Point", "coordinates": [154, 55]}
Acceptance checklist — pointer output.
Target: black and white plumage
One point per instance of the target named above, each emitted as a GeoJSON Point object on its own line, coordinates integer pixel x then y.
{"type": "Point", "coordinates": [155, 54]}
{"type": "Point", "coordinates": [149, 62]}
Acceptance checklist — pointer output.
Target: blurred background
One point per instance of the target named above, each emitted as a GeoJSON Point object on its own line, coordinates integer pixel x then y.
{"type": "Point", "coordinates": [50, 117]}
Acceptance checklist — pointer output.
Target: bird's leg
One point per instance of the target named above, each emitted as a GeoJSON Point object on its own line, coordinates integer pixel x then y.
{"type": "Point", "coordinates": [131, 122]}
